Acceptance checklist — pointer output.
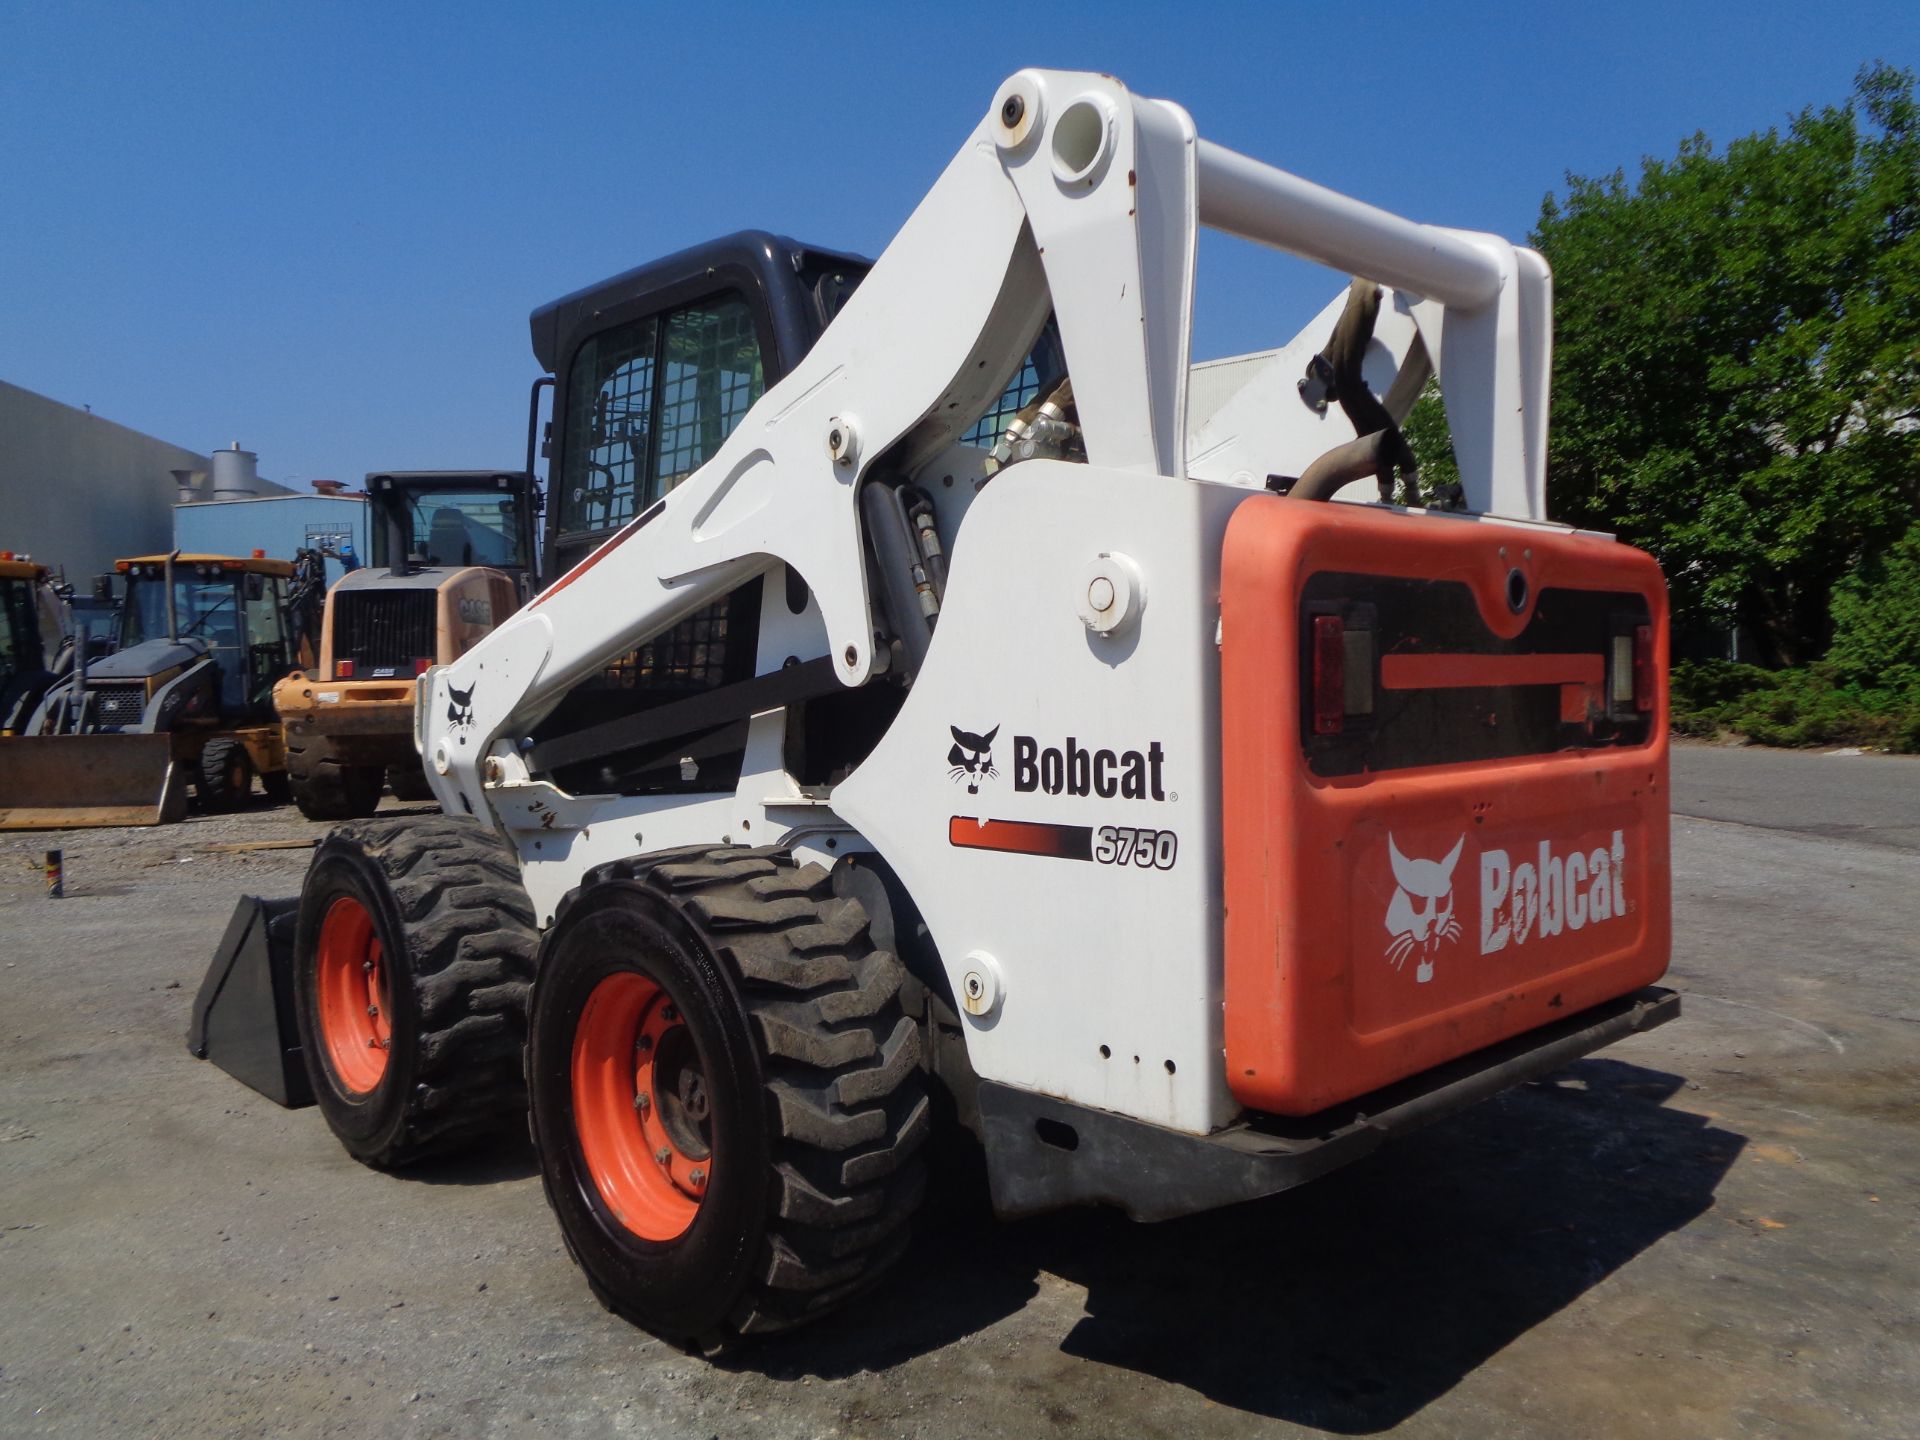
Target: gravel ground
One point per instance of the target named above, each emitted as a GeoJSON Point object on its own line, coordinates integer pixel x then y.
{"type": "Point", "coordinates": [1710, 1230]}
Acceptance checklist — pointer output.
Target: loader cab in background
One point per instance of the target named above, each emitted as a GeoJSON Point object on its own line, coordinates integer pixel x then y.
{"type": "Point", "coordinates": [185, 698]}
{"type": "Point", "coordinates": [97, 617]}
{"type": "Point", "coordinates": [453, 555]}
{"type": "Point", "coordinates": [236, 609]}
{"type": "Point", "coordinates": [27, 643]}
{"type": "Point", "coordinates": [452, 519]}
{"type": "Point", "coordinates": [652, 370]}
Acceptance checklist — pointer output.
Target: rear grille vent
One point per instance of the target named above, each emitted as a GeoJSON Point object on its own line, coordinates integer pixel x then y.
{"type": "Point", "coordinates": [118, 704]}
{"type": "Point", "coordinates": [384, 630]}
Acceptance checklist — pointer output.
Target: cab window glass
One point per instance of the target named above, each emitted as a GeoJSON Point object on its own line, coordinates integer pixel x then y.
{"type": "Point", "coordinates": [16, 600]}
{"type": "Point", "coordinates": [263, 612]}
{"type": "Point", "coordinates": [648, 403]}
{"type": "Point", "coordinates": [1044, 367]}
{"type": "Point", "coordinates": [712, 377]}
{"type": "Point", "coordinates": [609, 425]}
{"type": "Point", "coordinates": [459, 527]}
{"type": "Point", "coordinates": [203, 609]}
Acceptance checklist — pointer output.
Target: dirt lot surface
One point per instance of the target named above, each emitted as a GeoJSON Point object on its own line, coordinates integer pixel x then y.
{"type": "Point", "coordinates": [1710, 1230]}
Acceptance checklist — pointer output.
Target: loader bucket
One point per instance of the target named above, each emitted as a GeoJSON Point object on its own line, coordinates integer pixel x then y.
{"type": "Point", "coordinates": [243, 1018]}
{"type": "Point", "coordinates": [74, 782]}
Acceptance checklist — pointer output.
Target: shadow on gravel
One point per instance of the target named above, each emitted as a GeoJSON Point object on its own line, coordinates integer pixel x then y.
{"type": "Point", "coordinates": [511, 1157]}
{"type": "Point", "coordinates": [1350, 1303]}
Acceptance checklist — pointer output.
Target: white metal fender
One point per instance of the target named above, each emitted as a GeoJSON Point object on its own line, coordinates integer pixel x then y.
{"type": "Point", "coordinates": [1108, 971]}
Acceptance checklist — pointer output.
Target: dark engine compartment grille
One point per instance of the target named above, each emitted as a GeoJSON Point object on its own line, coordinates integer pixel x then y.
{"type": "Point", "coordinates": [118, 705]}
{"type": "Point", "coordinates": [384, 630]}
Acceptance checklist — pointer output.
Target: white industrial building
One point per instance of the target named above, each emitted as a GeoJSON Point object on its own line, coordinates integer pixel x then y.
{"type": "Point", "coordinates": [77, 491]}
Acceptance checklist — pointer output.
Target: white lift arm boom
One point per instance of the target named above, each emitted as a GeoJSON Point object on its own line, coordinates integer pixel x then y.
{"type": "Point", "coordinates": [1071, 196]}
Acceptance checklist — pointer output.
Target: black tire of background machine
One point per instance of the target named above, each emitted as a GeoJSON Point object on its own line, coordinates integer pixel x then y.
{"type": "Point", "coordinates": [277, 786]}
{"type": "Point", "coordinates": [409, 782]}
{"type": "Point", "coordinates": [820, 1104]}
{"type": "Point", "coordinates": [325, 789]}
{"type": "Point", "coordinates": [224, 776]}
{"type": "Point", "coordinates": [458, 936]}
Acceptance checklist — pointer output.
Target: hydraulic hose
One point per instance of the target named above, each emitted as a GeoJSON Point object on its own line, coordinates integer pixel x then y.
{"type": "Point", "coordinates": [1369, 455]}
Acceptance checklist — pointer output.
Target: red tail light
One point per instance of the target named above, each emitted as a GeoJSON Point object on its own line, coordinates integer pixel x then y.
{"type": "Point", "coordinates": [421, 666]}
{"type": "Point", "coordinates": [1643, 668]}
{"type": "Point", "coordinates": [1329, 674]}
{"type": "Point", "coordinates": [343, 669]}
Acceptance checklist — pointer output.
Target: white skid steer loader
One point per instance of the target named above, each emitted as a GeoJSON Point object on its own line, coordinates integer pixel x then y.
{"type": "Point", "coordinates": [968, 694]}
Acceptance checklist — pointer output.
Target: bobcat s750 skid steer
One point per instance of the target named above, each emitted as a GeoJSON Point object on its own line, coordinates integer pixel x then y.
{"type": "Point", "coordinates": [1182, 826]}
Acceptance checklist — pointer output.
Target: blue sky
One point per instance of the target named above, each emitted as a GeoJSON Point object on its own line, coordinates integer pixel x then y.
{"type": "Point", "coordinates": [319, 228]}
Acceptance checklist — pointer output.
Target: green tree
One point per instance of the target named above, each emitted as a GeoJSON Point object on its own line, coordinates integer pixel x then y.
{"type": "Point", "coordinates": [1737, 360]}
{"type": "Point", "coordinates": [1876, 614]}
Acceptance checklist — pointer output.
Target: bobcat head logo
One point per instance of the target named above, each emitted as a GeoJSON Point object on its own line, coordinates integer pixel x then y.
{"type": "Point", "coordinates": [460, 707]}
{"type": "Point", "coordinates": [1420, 916]}
{"type": "Point", "coordinates": [971, 758]}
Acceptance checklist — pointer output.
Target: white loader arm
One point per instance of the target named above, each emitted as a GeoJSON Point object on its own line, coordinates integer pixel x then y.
{"type": "Point", "coordinates": [1072, 196]}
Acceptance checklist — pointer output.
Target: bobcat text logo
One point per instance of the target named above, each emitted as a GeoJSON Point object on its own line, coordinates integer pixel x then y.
{"type": "Point", "coordinates": [1548, 893]}
{"type": "Point", "coordinates": [971, 758]}
{"type": "Point", "coordinates": [1420, 916]}
{"type": "Point", "coordinates": [1130, 774]}
{"type": "Point", "coordinates": [460, 707]}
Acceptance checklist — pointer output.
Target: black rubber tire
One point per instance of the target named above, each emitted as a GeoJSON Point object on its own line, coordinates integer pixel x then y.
{"type": "Point", "coordinates": [409, 782]}
{"type": "Point", "coordinates": [325, 789]}
{"type": "Point", "coordinates": [277, 787]}
{"type": "Point", "coordinates": [224, 778]}
{"type": "Point", "coordinates": [457, 932]}
{"type": "Point", "coordinates": [818, 1099]}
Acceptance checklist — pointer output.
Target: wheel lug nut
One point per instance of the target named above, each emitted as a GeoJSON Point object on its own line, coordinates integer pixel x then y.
{"type": "Point", "coordinates": [669, 1013]}
{"type": "Point", "coordinates": [662, 1155]}
{"type": "Point", "coordinates": [643, 1102]}
{"type": "Point", "coordinates": [373, 1012]}
{"type": "Point", "coordinates": [696, 1177]}
{"type": "Point", "coordinates": [366, 967]}
{"type": "Point", "coordinates": [644, 1043]}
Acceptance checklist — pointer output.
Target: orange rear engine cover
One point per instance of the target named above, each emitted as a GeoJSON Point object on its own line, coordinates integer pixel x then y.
{"type": "Point", "coordinates": [1444, 779]}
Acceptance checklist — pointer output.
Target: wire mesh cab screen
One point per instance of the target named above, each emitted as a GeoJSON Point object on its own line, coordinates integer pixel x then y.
{"type": "Point", "coordinates": [648, 402]}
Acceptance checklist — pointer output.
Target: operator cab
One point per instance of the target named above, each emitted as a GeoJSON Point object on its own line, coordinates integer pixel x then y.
{"type": "Point", "coordinates": [652, 370]}
{"type": "Point", "coordinates": [453, 518]}
{"type": "Point", "coordinates": [232, 608]}
{"type": "Point", "coordinates": [97, 618]}
{"type": "Point", "coordinates": [25, 662]}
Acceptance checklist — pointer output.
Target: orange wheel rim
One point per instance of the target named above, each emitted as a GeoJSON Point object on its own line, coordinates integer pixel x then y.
{"type": "Point", "coordinates": [351, 978]}
{"type": "Point", "coordinates": [642, 1107]}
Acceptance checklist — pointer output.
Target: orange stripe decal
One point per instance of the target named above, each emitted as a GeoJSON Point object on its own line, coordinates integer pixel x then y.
{"type": "Point", "coordinates": [1460, 672]}
{"type": "Point", "coordinates": [1021, 837]}
{"type": "Point", "coordinates": [632, 529]}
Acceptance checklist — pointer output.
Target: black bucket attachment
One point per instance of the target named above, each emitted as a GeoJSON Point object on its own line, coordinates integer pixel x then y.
{"type": "Point", "coordinates": [243, 1017]}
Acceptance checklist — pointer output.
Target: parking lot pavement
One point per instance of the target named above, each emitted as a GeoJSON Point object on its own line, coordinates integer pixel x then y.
{"type": "Point", "coordinates": [1708, 1230]}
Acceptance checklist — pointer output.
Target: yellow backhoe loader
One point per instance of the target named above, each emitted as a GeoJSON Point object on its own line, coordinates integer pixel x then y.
{"type": "Point", "coordinates": [185, 700]}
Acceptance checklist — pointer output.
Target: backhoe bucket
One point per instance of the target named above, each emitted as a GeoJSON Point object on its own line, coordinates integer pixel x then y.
{"type": "Point", "coordinates": [74, 782]}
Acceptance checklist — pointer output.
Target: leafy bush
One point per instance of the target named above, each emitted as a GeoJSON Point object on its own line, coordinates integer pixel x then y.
{"type": "Point", "coordinates": [1809, 706]}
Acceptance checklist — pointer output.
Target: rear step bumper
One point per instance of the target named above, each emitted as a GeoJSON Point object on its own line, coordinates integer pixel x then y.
{"type": "Point", "coordinates": [1044, 1154]}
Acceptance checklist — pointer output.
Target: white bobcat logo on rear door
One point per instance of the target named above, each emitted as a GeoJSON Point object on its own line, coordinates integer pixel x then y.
{"type": "Point", "coordinates": [1420, 915]}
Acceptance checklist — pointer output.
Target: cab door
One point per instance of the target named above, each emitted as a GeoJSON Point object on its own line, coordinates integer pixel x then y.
{"type": "Point", "coordinates": [264, 610]}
